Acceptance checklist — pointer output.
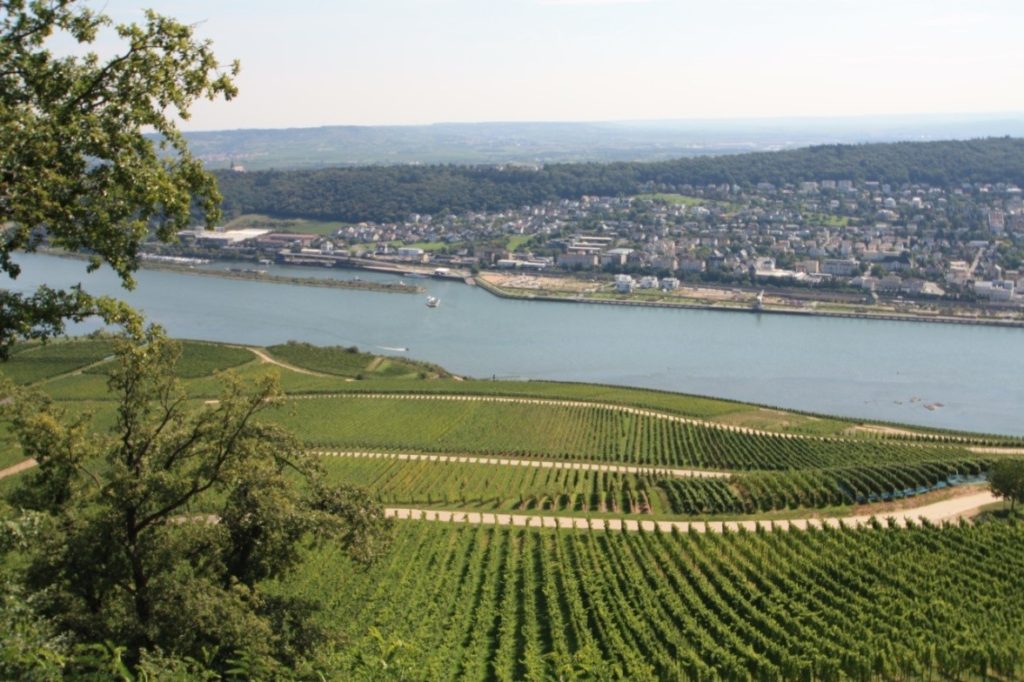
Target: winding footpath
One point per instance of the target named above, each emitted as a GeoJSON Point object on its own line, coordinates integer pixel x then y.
{"type": "Point", "coordinates": [267, 358]}
{"type": "Point", "coordinates": [17, 468]}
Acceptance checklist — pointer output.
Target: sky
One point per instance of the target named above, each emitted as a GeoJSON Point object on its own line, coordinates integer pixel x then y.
{"type": "Point", "coordinates": [398, 62]}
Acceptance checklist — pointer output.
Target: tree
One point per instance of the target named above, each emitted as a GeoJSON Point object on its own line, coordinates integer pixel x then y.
{"type": "Point", "coordinates": [77, 167]}
{"type": "Point", "coordinates": [159, 535]}
{"type": "Point", "coordinates": [1006, 479]}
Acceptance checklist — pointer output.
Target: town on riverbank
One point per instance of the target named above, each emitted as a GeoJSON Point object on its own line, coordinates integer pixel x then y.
{"type": "Point", "coordinates": [529, 278]}
{"type": "Point", "coordinates": [913, 250]}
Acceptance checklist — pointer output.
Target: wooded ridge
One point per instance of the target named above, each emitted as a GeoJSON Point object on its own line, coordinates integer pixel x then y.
{"type": "Point", "coordinates": [386, 193]}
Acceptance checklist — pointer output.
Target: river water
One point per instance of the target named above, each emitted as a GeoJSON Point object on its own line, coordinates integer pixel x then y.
{"type": "Point", "coordinates": [856, 368]}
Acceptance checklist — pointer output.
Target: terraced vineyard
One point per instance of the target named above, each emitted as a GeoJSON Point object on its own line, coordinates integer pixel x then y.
{"type": "Point", "coordinates": [770, 472]}
{"type": "Point", "coordinates": [578, 432]}
{"type": "Point", "coordinates": [502, 487]}
{"type": "Point", "coordinates": [526, 604]}
{"type": "Point", "coordinates": [488, 487]}
{"type": "Point", "coordinates": [772, 490]}
{"type": "Point", "coordinates": [482, 602]}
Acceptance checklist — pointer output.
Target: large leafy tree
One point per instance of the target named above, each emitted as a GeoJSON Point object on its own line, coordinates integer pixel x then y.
{"type": "Point", "coordinates": [90, 154]}
{"type": "Point", "coordinates": [161, 534]}
{"type": "Point", "coordinates": [1006, 479]}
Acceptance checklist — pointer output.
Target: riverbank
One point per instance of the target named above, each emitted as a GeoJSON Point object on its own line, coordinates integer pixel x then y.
{"type": "Point", "coordinates": [263, 276]}
{"type": "Point", "coordinates": [877, 372]}
{"type": "Point", "coordinates": [255, 274]}
{"type": "Point", "coordinates": [591, 296]}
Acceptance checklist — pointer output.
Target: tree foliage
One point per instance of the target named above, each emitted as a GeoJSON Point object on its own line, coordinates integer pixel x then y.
{"type": "Point", "coordinates": [1006, 480]}
{"type": "Point", "coordinates": [386, 193]}
{"type": "Point", "coordinates": [76, 165]}
{"type": "Point", "coordinates": [161, 535]}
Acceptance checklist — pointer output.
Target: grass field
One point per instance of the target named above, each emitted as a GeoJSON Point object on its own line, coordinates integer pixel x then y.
{"type": "Point", "coordinates": [688, 201]}
{"type": "Point", "coordinates": [298, 225]}
{"type": "Point", "coordinates": [426, 246]}
{"type": "Point", "coordinates": [517, 240]}
{"type": "Point", "coordinates": [680, 199]}
{"type": "Point", "coordinates": [830, 219]}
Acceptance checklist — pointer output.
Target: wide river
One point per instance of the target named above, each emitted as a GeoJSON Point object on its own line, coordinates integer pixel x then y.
{"type": "Point", "coordinates": [972, 377]}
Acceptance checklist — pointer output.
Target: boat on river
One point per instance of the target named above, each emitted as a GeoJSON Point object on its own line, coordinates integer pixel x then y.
{"type": "Point", "coordinates": [433, 301]}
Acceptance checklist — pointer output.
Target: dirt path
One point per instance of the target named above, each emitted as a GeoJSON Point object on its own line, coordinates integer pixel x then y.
{"type": "Point", "coordinates": [266, 357]}
{"type": "Point", "coordinates": [14, 469]}
{"type": "Point", "coordinates": [936, 513]}
{"type": "Point", "coordinates": [958, 507]}
{"type": "Point", "coordinates": [997, 451]}
{"type": "Point", "coordinates": [74, 372]}
{"type": "Point", "coordinates": [539, 464]}
{"type": "Point", "coordinates": [879, 430]}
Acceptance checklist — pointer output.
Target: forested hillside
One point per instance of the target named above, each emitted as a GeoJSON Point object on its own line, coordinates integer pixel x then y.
{"type": "Point", "coordinates": [387, 193]}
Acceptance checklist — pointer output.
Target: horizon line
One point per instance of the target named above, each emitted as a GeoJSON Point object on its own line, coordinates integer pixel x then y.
{"type": "Point", "coordinates": [979, 115]}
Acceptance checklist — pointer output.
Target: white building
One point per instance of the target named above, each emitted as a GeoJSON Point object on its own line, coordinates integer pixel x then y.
{"type": "Point", "coordinates": [669, 283]}
{"type": "Point", "coordinates": [996, 290]}
{"type": "Point", "coordinates": [841, 267]}
{"type": "Point", "coordinates": [648, 283]}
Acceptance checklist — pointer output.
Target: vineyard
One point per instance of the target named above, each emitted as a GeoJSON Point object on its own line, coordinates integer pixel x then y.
{"type": "Point", "coordinates": [483, 602]}
{"type": "Point", "coordinates": [492, 488]}
{"type": "Point", "coordinates": [578, 432]}
{"type": "Point", "coordinates": [200, 359]}
{"type": "Point", "coordinates": [497, 487]}
{"type": "Point", "coordinates": [525, 604]}
{"type": "Point", "coordinates": [32, 362]}
{"type": "Point", "coordinates": [682, 405]}
{"type": "Point", "coordinates": [749, 493]}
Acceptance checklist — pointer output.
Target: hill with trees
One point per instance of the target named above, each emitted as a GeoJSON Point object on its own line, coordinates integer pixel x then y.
{"type": "Point", "coordinates": [387, 193]}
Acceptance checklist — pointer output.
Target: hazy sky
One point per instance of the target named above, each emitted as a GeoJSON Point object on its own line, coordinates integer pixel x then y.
{"type": "Point", "coordinates": [307, 62]}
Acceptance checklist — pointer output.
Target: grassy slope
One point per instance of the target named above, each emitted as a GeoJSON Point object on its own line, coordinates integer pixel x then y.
{"type": "Point", "coordinates": [349, 362]}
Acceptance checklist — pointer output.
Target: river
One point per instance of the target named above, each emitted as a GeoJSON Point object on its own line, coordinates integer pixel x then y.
{"type": "Point", "coordinates": [971, 376]}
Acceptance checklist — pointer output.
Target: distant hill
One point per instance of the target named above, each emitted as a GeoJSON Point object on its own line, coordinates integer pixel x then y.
{"type": "Point", "coordinates": [533, 143]}
{"type": "Point", "coordinates": [385, 193]}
